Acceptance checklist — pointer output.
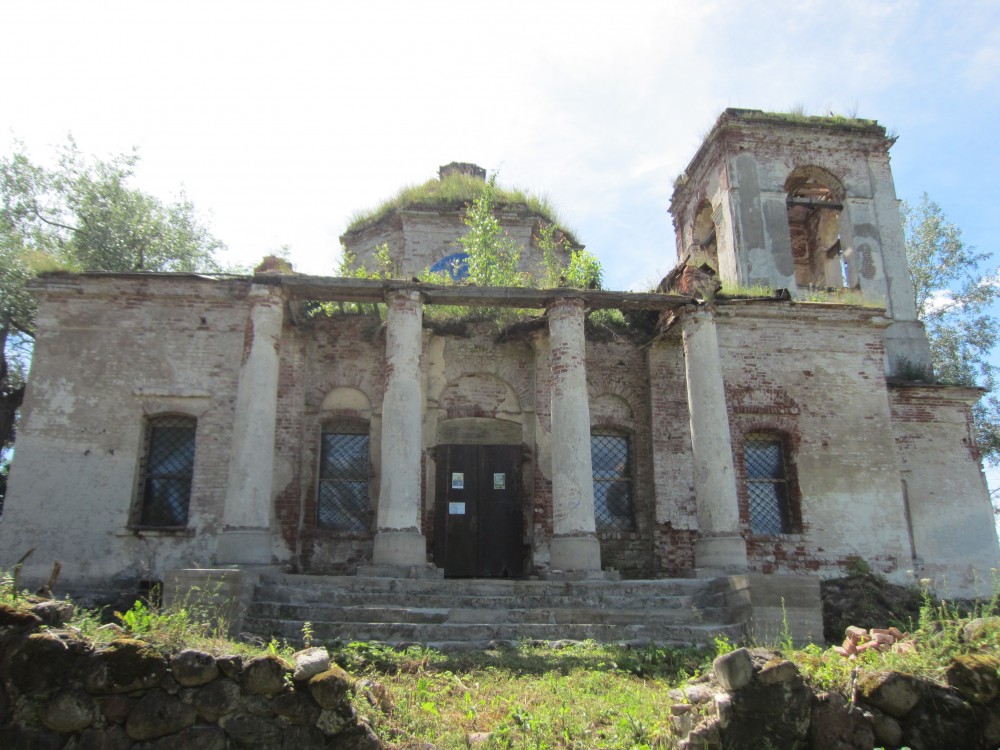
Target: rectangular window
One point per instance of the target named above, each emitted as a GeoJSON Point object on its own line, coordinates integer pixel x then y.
{"type": "Point", "coordinates": [612, 483]}
{"type": "Point", "coordinates": [167, 471]}
{"type": "Point", "coordinates": [767, 483]}
{"type": "Point", "coordinates": [342, 502]}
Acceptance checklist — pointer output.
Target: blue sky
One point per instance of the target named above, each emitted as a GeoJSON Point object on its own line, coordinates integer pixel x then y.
{"type": "Point", "coordinates": [282, 119]}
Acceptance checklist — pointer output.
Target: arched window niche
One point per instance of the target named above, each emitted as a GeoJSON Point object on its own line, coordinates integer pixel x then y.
{"type": "Point", "coordinates": [815, 200]}
{"type": "Point", "coordinates": [705, 245]}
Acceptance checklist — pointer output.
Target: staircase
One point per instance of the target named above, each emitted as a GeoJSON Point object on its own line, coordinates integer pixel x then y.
{"type": "Point", "coordinates": [472, 613]}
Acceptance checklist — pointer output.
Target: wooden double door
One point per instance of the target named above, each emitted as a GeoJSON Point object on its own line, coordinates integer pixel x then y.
{"type": "Point", "coordinates": [478, 515]}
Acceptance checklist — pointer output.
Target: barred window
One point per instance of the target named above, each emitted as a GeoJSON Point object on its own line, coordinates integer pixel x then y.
{"type": "Point", "coordinates": [767, 483]}
{"type": "Point", "coordinates": [342, 499]}
{"type": "Point", "coordinates": [613, 509]}
{"type": "Point", "coordinates": [167, 469]}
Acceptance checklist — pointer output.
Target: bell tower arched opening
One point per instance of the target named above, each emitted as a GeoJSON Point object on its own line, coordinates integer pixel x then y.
{"type": "Point", "coordinates": [814, 204]}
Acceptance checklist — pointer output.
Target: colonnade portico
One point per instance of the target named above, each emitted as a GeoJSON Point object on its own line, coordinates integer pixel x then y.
{"type": "Point", "coordinates": [400, 548]}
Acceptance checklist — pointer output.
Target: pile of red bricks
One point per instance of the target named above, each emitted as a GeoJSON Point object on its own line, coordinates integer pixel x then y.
{"type": "Point", "coordinates": [859, 640]}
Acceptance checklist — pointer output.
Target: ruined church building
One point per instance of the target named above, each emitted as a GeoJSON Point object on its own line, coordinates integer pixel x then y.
{"type": "Point", "coordinates": [185, 423]}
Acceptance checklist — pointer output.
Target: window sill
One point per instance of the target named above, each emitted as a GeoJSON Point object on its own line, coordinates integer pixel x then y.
{"type": "Point", "coordinates": [787, 536]}
{"type": "Point", "coordinates": [165, 531]}
{"type": "Point", "coordinates": [322, 533]}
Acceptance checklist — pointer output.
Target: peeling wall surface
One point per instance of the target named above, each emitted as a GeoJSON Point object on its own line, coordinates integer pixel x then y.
{"type": "Point", "coordinates": [294, 413]}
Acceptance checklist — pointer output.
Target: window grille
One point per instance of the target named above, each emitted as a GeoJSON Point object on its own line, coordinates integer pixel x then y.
{"type": "Point", "coordinates": [167, 471]}
{"type": "Point", "coordinates": [767, 484]}
{"type": "Point", "coordinates": [613, 510]}
{"type": "Point", "coordinates": [342, 502]}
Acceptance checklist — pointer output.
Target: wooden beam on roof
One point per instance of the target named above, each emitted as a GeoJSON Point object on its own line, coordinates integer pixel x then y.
{"type": "Point", "coordinates": [335, 289]}
{"type": "Point", "coordinates": [813, 203]}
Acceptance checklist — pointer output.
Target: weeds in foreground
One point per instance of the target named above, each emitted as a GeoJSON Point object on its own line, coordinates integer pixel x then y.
{"type": "Point", "coordinates": [578, 695]}
{"type": "Point", "coordinates": [574, 695]}
{"type": "Point", "coordinates": [937, 637]}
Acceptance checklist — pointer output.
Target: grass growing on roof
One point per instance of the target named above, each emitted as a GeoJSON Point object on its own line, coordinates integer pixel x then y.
{"type": "Point", "coordinates": [453, 190]}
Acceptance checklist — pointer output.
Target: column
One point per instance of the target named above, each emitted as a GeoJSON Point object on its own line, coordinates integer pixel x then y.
{"type": "Point", "coordinates": [246, 533]}
{"type": "Point", "coordinates": [574, 540]}
{"type": "Point", "coordinates": [399, 541]}
{"type": "Point", "coordinates": [719, 546]}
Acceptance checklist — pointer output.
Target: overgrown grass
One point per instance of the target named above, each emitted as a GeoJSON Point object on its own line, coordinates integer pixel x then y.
{"type": "Point", "coordinates": [580, 695]}
{"type": "Point", "coordinates": [453, 190]}
{"type": "Point", "coordinates": [563, 695]}
{"type": "Point", "coordinates": [837, 296]}
{"type": "Point", "coordinates": [743, 291]}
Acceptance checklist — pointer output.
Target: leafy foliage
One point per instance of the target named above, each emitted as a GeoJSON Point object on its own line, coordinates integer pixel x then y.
{"type": "Point", "coordinates": [80, 215]}
{"type": "Point", "coordinates": [955, 300]}
{"type": "Point", "coordinates": [493, 255]}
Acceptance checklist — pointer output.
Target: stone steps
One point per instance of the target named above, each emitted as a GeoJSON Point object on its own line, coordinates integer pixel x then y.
{"type": "Point", "coordinates": [377, 613]}
{"type": "Point", "coordinates": [473, 613]}
{"type": "Point", "coordinates": [479, 635]}
{"type": "Point", "coordinates": [470, 600]}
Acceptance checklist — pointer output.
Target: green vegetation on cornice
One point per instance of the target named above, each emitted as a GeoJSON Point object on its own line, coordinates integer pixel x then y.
{"type": "Point", "coordinates": [798, 117]}
{"type": "Point", "coordinates": [454, 191]}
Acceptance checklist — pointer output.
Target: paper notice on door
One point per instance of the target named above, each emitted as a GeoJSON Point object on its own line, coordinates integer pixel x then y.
{"type": "Point", "coordinates": [458, 481]}
{"type": "Point", "coordinates": [499, 481]}
{"type": "Point", "coordinates": [456, 509]}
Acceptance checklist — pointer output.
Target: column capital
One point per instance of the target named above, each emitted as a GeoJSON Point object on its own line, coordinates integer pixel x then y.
{"type": "Point", "coordinates": [404, 295]}
{"type": "Point", "coordinates": [564, 303]}
{"type": "Point", "coordinates": [696, 315]}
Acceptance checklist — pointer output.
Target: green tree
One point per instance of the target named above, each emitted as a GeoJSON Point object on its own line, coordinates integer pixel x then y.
{"type": "Point", "coordinates": [956, 300]}
{"type": "Point", "coordinates": [493, 255]}
{"type": "Point", "coordinates": [80, 215]}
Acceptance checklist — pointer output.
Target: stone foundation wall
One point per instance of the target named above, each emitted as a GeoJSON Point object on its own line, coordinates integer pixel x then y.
{"type": "Point", "coordinates": [58, 691]}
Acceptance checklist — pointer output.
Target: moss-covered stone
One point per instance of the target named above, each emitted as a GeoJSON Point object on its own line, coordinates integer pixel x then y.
{"type": "Point", "coordinates": [892, 692]}
{"type": "Point", "coordinates": [69, 711]}
{"type": "Point", "coordinates": [192, 668]}
{"type": "Point", "coordinates": [251, 731]}
{"type": "Point", "coordinates": [941, 719]}
{"type": "Point", "coordinates": [298, 707]}
{"type": "Point", "coordinates": [975, 676]}
{"type": "Point", "coordinates": [125, 665]}
{"type": "Point", "coordinates": [158, 715]}
{"type": "Point", "coordinates": [13, 618]}
{"type": "Point", "coordinates": [266, 675]}
{"type": "Point", "coordinates": [42, 661]}
{"type": "Point", "coordinates": [215, 700]}
{"type": "Point", "coordinates": [835, 725]}
{"type": "Point", "coordinates": [330, 688]}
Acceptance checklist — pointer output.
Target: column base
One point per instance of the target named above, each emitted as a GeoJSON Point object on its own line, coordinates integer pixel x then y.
{"type": "Point", "coordinates": [403, 549]}
{"type": "Point", "coordinates": [720, 555]}
{"type": "Point", "coordinates": [575, 554]}
{"type": "Point", "coordinates": [244, 547]}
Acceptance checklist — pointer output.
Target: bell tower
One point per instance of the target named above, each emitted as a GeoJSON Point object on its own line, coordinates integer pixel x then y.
{"type": "Point", "coordinates": [804, 204]}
